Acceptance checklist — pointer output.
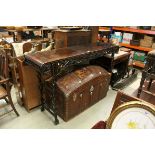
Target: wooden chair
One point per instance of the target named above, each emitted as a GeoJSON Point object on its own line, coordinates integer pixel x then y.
{"type": "Point", "coordinates": [148, 73]}
{"type": "Point", "coordinates": [27, 47]}
{"type": "Point", "coordinates": [5, 91]}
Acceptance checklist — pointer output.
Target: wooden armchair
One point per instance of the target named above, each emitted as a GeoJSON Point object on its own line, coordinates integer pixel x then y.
{"type": "Point", "coordinates": [5, 91]}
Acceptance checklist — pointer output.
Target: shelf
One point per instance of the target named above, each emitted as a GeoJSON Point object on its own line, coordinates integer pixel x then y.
{"type": "Point", "coordinates": [138, 64]}
{"type": "Point", "coordinates": [104, 29]}
{"type": "Point", "coordinates": [134, 30]}
{"type": "Point", "coordinates": [146, 49]}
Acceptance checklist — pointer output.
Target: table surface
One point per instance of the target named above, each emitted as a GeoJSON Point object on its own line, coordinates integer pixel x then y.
{"type": "Point", "coordinates": [41, 58]}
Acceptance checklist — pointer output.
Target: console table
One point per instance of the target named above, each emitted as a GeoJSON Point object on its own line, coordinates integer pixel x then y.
{"type": "Point", "coordinates": [54, 62]}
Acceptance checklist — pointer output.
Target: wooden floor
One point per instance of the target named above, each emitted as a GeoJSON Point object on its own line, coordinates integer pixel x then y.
{"type": "Point", "coordinates": [145, 96]}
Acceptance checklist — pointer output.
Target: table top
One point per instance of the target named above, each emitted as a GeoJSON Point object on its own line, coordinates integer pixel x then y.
{"type": "Point", "coordinates": [42, 58]}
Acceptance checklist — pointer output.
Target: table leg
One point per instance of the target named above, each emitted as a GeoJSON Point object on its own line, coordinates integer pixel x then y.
{"type": "Point", "coordinates": [149, 85]}
{"type": "Point", "coordinates": [41, 87]}
{"type": "Point", "coordinates": [53, 101]}
{"type": "Point", "coordinates": [141, 83]}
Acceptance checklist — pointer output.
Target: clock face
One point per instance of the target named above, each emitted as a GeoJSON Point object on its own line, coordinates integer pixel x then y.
{"type": "Point", "coordinates": [133, 115]}
{"type": "Point", "coordinates": [134, 118]}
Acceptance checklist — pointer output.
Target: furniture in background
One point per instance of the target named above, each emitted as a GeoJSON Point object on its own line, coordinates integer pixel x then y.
{"type": "Point", "coordinates": [28, 85]}
{"type": "Point", "coordinates": [5, 88]}
{"type": "Point", "coordinates": [117, 65]}
{"type": "Point", "coordinates": [94, 33]}
{"type": "Point", "coordinates": [24, 33]}
{"type": "Point", "coordinates": [104, 34]}
{"type": "Point", "coordinates": [27, 47]}
{"type": "Point", "coordinates": [26, 81]}
{"type": "Point", "coordinates": [66, 38]}
{"type": "Point", "coordinates": [148, 74]}
{"type": "Point", "coordinates": [58, 60]}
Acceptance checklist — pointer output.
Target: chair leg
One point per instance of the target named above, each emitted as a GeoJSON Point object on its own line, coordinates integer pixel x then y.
{"type": "Point", "coordinates": [149, 85]}
{"type": "Point", "coordinates": [12, 105]}
{"type": "Point", "coordinates": [144, 74]}
{"type": "Point", "coordinates": [6, 100]}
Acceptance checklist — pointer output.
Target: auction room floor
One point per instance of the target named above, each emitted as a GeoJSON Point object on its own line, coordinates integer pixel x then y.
{"type": "Point", "coordinates": [43, 120]}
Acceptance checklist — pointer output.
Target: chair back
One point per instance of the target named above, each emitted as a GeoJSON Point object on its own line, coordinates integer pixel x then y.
{"type": "Point", "coordinates": [27, 47]}
{"type": "Point", "coordinates": [39, 47]}
{"type": "Point", "coordinates": [4, 72]}
{"type": "Point", "coordinates": [150, 62]}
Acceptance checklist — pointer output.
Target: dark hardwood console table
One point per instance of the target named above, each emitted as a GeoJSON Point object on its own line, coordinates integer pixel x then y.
{"type": "Point", "coordinates": [54, 62]}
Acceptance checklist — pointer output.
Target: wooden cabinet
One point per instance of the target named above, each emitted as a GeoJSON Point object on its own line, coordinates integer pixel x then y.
{"type": "Point", "coordinates": [65, 38]}
{"type": "Point", "coordinates": [29, 85]}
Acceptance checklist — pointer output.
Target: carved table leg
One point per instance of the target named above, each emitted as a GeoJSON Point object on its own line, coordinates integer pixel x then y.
{"type": "Point", "coordinates": [41, 87]}
{"type": "Point", "coordinates": [141, 83]}
{"type": "Point", "coordinates": [53, 101]}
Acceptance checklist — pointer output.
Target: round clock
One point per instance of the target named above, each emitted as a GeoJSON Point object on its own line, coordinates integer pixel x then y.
{"type": "Point", "coordinates": [133, 115]}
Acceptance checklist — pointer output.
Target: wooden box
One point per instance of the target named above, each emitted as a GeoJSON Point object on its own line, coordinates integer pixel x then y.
{"type": "Point", "coordinates": [153, 45]}
{"type": "Point", "coordinates": [153, 28]}
{"type": "Point", "coordinates": [146, 43]}
{"type": "Point", "coordinates": [80, 89]}
{"type": "Point", "coordinates": [65, 38]}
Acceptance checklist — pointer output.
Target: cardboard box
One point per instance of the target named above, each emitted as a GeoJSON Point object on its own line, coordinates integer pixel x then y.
{"type": "Point", "coordinates": [146, 43]}
{"type": "Point", "coordinates": [153, 28]}
{"type": "Point", "coordinates": [139, 56]}
{"type": "Point", "coordinates": [127, 37]}
{"type": "Point", "coordinates": [4, 34]}
{"type": "Point", "coordinates": [148, 38]}
{"type": "Point", "coordinates": [153, 45]}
